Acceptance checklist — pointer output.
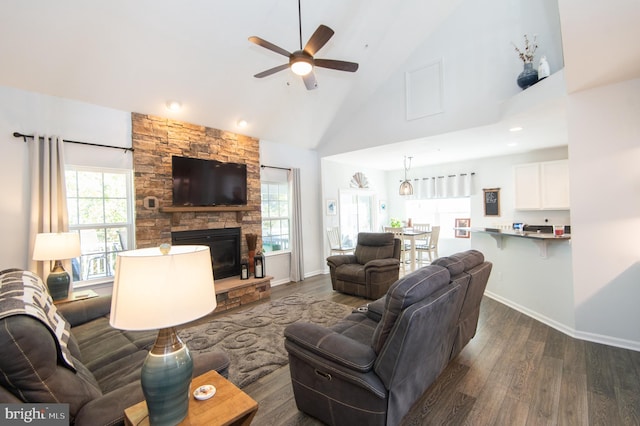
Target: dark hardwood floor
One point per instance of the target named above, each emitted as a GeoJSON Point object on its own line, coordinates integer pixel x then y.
{"type": "Point", "coordinates": [516, 371]}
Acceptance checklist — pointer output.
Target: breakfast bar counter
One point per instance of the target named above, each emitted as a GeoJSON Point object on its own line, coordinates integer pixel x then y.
{"type": "Point", "coordinates": [542, 239]}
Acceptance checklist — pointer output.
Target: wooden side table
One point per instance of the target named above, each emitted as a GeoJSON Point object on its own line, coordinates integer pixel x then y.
{"type": "Point", "coordinates": [229, 406]}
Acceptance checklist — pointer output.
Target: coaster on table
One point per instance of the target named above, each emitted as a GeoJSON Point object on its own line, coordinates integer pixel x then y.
{"type": "Point", "coordinates": [204, 392]}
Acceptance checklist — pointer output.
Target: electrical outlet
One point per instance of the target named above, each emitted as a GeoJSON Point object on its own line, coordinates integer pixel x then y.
{"type": "Point", "coordinates": [499, 276]}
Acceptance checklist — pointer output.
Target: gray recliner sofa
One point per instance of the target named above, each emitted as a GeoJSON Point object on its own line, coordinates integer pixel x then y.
{"type": "Point", "coordinates": [373, 267]}
{"type": "Point", "coordinates": [372, 366]}
{"type": "Point", "coordinates": [97, 373]}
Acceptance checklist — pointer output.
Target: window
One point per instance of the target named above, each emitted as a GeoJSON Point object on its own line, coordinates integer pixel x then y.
{"type": "Point", "coordinates": [439, 211]}
{"type": "Point", "coordinates": [100, 203]}
{"type": "Point", "coordinates": [275, 216]}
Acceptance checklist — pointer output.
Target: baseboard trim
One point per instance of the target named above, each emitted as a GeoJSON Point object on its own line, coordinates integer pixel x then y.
{"type": "Point", "coordinates": [563, 328]}
{"type": "Point", "coordinates": [287, 280]}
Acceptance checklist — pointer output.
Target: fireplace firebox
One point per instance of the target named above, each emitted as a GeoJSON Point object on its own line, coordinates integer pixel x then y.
{"type": "Point", "coordinates": [224, 244]}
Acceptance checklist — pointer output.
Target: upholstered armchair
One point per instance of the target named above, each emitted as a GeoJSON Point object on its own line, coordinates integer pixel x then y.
{"type": "Point", "coordinates": [371, 270]}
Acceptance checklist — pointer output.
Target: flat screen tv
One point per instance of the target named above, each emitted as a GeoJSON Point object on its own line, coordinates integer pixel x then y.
{"type": "Point", "coordinates": [198, 182]}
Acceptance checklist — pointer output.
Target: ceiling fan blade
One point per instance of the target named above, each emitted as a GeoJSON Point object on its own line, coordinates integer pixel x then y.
{"type": "Point", "coordinates": [336, 65]}
{"type": "Point", "coordinates": [318, 39]}
{"type": "Point", "coordinates": [268, 45]}
{"type": "Point", "coordinates": [272, 71]}
{"type": "Point", "coordinates": [310, 81]}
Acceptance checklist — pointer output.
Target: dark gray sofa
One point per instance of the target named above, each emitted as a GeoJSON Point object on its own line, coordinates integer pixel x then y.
{"type": "Point", "coordinates": [372, 366]}
{"type": "Point", "coordinates": [107, 361]}
{"type": "Point", "coordinates": [373, 267]}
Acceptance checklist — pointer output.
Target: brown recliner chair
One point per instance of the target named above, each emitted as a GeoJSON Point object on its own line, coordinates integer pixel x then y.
{"type": "Point", "coordinates": [371, 270]}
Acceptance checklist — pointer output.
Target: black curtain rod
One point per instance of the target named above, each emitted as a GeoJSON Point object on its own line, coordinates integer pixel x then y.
{"type": "Point", "coordinates": [24, 137]}
{"type": "Point", "coordinates": [273, 167]}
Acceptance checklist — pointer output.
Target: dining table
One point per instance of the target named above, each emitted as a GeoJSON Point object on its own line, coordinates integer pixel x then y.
{"type": "Point", "coordinates": [414, 235]}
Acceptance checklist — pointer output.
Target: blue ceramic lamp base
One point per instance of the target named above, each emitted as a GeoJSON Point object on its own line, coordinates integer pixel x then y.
{"type": "Point", "coordinates": [166, 377]}
{"type": "Point", "coordinates": [58, 282]}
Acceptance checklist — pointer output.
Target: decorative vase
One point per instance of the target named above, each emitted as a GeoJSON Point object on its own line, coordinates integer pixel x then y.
{"type": "Point", "coordinates": [528, 76]}
{"type": "Point", "coordinates": [252, 242]}
{"type": "Point", "coordinates": [252, 254]}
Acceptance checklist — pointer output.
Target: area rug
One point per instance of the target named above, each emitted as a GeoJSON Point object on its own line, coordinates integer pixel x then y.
{"type": "Point", "coordinates": [254, 339]}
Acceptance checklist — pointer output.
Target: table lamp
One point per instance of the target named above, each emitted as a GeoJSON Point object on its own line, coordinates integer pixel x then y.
{"type": "Point", "coordinates": [160, 288]}
{"type": "Point", "coordinates": [58, 247]}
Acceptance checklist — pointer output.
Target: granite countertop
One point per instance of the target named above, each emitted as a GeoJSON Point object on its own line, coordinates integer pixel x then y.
{"type": "Point", "coordinates": [537, 235]}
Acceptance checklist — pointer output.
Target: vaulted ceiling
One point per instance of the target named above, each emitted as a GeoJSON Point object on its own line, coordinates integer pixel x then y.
{"type": "Point", "coordinates": [137, 55]}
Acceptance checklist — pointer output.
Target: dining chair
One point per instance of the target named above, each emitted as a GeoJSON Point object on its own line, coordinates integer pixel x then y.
{"type": "Point", "coordinates": [431, 247]}
{"type": "Point", "coordinates": [335, 242]}
{"type": "Point", "coordinates": [399, 234]}
{"type": "Point", "coordinates": [422, 242]}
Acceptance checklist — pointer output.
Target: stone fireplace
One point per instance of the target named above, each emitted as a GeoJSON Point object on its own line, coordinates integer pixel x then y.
{"type": "Point", "coordinates": [224, 244]}
{"type": "Point", "coordinates": [155, 140]}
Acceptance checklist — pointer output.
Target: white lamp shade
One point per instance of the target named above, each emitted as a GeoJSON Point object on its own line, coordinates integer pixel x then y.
{"type": "Point", "coordinates": [152, 290]}
{"type": "Point", "coordinates": [56, 246]}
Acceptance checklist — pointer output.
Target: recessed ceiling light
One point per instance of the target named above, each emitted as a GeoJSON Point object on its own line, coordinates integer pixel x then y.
{"type": "Point", "coordinates": [512, 144]}
{"type": "Point", "coordinates": [173, 106]}
{"type": "Point", "coordinates": [242, 123]}
{"type": "Point", "coordinates": [515, 129]}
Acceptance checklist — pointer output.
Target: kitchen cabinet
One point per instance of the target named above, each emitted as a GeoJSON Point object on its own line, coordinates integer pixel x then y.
{"type": "Point", "coordinates": [542, 186]}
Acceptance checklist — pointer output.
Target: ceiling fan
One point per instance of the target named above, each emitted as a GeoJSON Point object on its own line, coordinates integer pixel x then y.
{"type": "Point", "coordinates": [302, 61]}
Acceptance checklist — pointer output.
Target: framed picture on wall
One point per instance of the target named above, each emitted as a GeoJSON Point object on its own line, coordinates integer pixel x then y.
{"type": "Point", "coordinates": [462, 223]}
{"type": "Point", "coordinates": [332, 207]}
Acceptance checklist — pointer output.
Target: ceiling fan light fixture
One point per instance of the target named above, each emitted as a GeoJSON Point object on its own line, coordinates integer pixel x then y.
{"type": "Point", "coordinates": [301, 65]}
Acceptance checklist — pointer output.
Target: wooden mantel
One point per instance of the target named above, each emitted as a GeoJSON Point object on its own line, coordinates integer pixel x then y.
{"type": "Point", "coordinates": [177, 210]}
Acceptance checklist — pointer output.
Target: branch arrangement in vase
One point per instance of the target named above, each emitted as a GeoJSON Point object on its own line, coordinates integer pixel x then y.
{"type": "Point", "coordinates": [529, 51]}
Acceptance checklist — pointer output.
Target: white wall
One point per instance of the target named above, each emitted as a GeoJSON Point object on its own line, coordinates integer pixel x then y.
{"type": "Point", "coordinates": [521, 278]}
{"type": "Point", "coordinates": [28, 113]}
{"type": "Point", "coordinates": [279, 155]}
{"type": "Point", "coordinates": [604, 158]}
{"type": "Point", "coordinates": [480, 68]}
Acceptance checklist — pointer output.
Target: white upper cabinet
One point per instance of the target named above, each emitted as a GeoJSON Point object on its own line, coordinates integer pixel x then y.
{"type": "Point", "coordinates": [542, 186]}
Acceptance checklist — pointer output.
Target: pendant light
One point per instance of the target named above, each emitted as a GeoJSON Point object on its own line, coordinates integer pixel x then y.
{"type": "Point", "coordinates": [405, 187]}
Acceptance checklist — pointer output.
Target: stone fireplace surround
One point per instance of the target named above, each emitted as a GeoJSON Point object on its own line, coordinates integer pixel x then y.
{"type": "Point", "coordinates": [155, 140]}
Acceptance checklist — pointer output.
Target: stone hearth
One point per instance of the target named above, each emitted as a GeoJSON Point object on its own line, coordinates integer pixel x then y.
{"type": "Point", "coordinates": [233, 292]}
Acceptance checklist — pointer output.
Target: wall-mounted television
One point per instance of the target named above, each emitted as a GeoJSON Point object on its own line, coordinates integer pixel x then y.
{"type": "Point", "coordinates": [198, 182]}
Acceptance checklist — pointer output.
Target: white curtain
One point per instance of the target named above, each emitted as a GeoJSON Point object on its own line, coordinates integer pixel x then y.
{"type": "Point", "coordinates": [464, 185]}
{"type": "Point", "coordinates": [440, 187]}
{"type": "Point", "coordinates": [48, 195]}
{"type": "Point", "coordinates": [297, 255]}
{"type": "Point", "coordinates": [449, 186]}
